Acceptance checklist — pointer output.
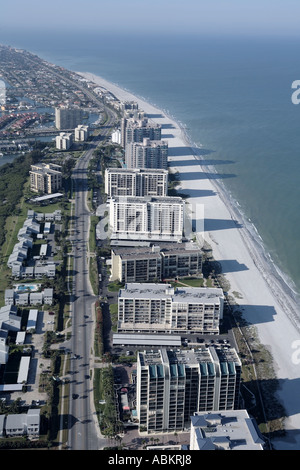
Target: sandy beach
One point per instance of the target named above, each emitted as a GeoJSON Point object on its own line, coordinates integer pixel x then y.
{"type": "Point", "coordinates": [262, 297]}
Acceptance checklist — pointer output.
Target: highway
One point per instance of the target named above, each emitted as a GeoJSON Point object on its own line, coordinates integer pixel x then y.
{"type": "Point", "coordinates": [83, 433]}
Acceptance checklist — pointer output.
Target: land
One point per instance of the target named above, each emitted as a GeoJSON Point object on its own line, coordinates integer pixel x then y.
{"type": "Point", "coordinates": [271, 314]}
{"type": "Point", "coordinates": [263, 318]}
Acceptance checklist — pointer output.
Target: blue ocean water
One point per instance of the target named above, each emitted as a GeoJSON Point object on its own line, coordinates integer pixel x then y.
{"type": "Point", "coordinates": [232, 95]}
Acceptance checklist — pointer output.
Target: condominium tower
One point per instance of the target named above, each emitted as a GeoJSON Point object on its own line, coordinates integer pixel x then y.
{"type": "Point", "coordinates": [136, 182]}
{"type": "Point", "coordinates": [154, 263]}
{"type": "Point", "coordinates": [135, 130]}
{"type": "Point", "coordinates": [147, 154]}
{"type": "Point", "coordinates": [67, 118]}
{"type": "Point", "coordinates": [64, 140]}
{"type": "Point", "coordinates": [173, 385]}
{"type": "Point", "coordinates": [45, 178]}
{"type": "Point", "coordinates": [152, 307]}
{"type": "Point", "coordinates": [81, 133]}
{"type": "Point", "coordinates": [147, 218]}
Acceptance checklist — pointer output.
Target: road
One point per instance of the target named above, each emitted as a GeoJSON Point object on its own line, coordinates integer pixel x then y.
{"type": "Point", "coordinates": [83, 433]}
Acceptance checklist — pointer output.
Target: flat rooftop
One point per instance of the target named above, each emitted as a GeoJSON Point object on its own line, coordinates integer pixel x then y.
{"type": "Point", "coordinates": [147, 340]}
{"type": "Point", "coordinates": [155, 250]}
{"type": "Point", "coordinates": [158, 291]}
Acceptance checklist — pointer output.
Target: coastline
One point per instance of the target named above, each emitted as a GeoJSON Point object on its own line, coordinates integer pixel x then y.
{"type": "Point", "coordinates": [266, 301]}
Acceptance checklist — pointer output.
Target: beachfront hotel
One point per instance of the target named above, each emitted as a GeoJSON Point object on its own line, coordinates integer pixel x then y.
{"type": "Point", "coordinates": [45, 178]}
{"type": "Point", "coordinates": [172, 385]}
{"type": "Point", "coordinates": [147, 154]}
{"type": "Point", "coordinates": [136, 182]}
{"type": "Point", "coordinates": [154, 307]}
{"type": "Point", "coordinates": [147, 218]}
{"type": "Point", "coordinates": [156, 262]}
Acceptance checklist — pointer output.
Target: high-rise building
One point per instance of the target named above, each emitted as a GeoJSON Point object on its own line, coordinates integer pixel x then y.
{"type": "Point", "coordinates": [173, 385]}
{"type": "Point", "coordinates": [136, 264]}
{"type": "Point", "coordinates": [45, 178]}
{"type": "Point", "coordinates": [154, 263]}
{"type": "Point", "coordinates": [81, 133]}
{"type": "Point", "coordinates": [147, 154]}
{"type": "Point", "coordinates": [153, 307]}
{"type": "Point", "coordinates": [67, 118]}
{"type": "Point", "coordinates": [136, 182]}
{"type": "Point", "coordinates": [147, 218]}
{"type": "Point", "coordinates": [64, 141]}
{"type": "Point", "coordinates": [135, 130]}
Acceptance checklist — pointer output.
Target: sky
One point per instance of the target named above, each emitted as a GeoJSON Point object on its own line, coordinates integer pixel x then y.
{"type": "Point", "coordinates": [255, 17]}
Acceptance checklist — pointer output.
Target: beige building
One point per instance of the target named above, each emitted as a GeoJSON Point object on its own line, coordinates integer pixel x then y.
{"type": "Point", "coordinates": [67, 118]}
{"type": "Point", "coordinates": [45, 178]}
{"type": "Point", "coordinates": [154, 263]}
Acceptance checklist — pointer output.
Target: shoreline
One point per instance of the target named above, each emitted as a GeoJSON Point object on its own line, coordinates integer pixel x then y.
{"type": "Point", "coordinates": [266, 300]}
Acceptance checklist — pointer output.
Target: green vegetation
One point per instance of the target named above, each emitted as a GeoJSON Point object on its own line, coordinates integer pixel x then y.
{"type": "Point", "coordinates": [13, 177]}
{"type": "Point", "coordinates": [99, 346]}
{"type": "Point", "coordinates": [113, 309]}
{"type": "Point", "coordinates": [108, 419]}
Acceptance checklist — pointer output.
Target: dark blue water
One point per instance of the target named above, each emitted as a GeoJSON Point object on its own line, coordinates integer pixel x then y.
{"type": "Point", "coordinates": [234, 97]}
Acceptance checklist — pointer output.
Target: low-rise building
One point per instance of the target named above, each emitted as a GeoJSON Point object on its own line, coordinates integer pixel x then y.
{"type": "Point", "coordinates": [4, 348]}
{"type": "Point", "coordinates": [225, 430]}
{"type": "Point", "coordinates": [22, 424]}
{"type": "Point", "coordinates": [9, 319]}
{"type": "Point", "coordinates": [13, 297]}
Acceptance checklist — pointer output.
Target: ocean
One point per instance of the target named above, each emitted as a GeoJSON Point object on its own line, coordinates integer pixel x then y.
{"type": "Point", "coordinates": [232, 95]}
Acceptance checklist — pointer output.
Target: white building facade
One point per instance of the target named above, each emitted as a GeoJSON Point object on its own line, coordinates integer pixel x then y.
{"type": "Point", "coordinates": [147, 218]}
{"type": "Point", "coordinates": [151, 307]}
{"type": "Point", "coordinates": [136, 182]}
{"type": "Point", "coordinates": [173, 385]}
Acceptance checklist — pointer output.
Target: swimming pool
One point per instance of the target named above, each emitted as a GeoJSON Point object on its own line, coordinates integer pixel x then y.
{"type": "Point", "coordinates": [27, 287]}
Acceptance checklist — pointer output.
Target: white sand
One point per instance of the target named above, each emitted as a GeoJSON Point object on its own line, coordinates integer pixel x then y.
{"type": "Point", "coordinates": [262, 300]}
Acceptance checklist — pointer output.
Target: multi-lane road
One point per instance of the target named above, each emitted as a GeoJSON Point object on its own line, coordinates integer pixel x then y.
{"type": "Point", "coordinates": [83, 429]}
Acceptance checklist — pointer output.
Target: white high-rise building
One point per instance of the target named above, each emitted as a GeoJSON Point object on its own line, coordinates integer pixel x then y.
{"type": "Point", "coordinates": [147, 218]}
{"type": "Point", "coordinates": [81, 133]}
{"type": "Point", "coordinates": [136, 182]}
{"type": "Point", "coordinates": [64, 141]}
{"type": "Point", "coordinates": [147, 154]}
{"type": "Point", "coordinates": [173, 385]}
{"type": "Point", "coordinates": [153, 307]}
{"type": "Point", "coordinates": [135, 130]}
